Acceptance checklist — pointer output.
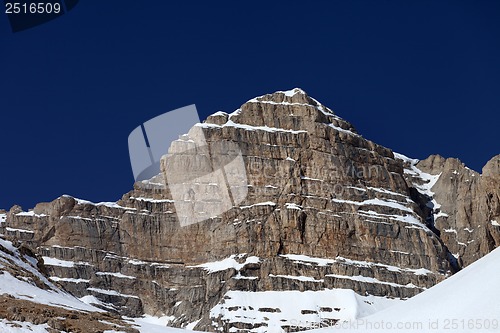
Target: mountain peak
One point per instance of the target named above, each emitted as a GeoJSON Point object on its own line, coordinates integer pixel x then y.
{"type": "Point", "coordinates": [293, 92]}
{"type": "Point", "coordinates": [306, 205]}
{"type": "Point", "coordinates": [286, 110]}
{"type": "Point", "coordinates": [295, 96]}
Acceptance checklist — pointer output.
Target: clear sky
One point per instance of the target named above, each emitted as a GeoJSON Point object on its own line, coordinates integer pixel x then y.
{"type": "Point", "coordinates": [420, 77]}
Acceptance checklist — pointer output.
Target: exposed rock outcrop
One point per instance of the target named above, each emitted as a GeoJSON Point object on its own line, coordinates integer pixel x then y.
{"type": "Point", "coordinates": [30, 301]}
{"type": "Point", "coordinates": [324, 208]}
{"type": "Point", "coordinates": [469, 213]}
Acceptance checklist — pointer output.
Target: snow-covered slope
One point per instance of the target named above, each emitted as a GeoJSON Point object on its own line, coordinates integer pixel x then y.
{"type": "Point", "coordinates": [29, 302]}
{"type": "Point", "coordinates": [21, 279]}
{"type": "Point", "coordinates": [468, 301]}
{"type": "Point", "coordinates": [280, 311]}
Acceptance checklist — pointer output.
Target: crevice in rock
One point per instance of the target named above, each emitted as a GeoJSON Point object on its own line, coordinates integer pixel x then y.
{"type": "Point", "coordinates": [301, 224]}
{"type": "Point", "coordinates": [281, 246]}
{"type": "Point", "coordinates": [426, 212]}
{"type": "Point", "coordinates": [48, 235]}
{"type": "Point", "coordinates": [426, 209]}
{"type": "Point", "coordinates": [454, 263]}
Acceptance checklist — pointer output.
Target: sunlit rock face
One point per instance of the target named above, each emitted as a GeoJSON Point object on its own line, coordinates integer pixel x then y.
{"type": "Point", "coordinates": [317, 212]}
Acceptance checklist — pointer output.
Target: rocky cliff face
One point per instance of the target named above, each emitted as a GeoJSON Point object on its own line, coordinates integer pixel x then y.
{"type": "Point", "coordinates": [324, 210]}
{"type": "Point", "coordinates": [30, 302]}
{"type": "Point", "coordinates": [467, 206]}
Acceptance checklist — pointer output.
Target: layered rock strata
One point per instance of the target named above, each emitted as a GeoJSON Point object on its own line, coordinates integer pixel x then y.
{"type": "Point", "coordinates": [324, 209]}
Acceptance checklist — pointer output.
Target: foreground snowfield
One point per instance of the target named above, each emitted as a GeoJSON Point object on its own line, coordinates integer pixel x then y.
{"type": "Point", "coordinates": [150, 324]}
{"type": "Point", "coordinates": [143, 325]}
{"type": "Point", "coordinates": [18, 327]}
{"type": "Point", "coordinates": [292, 308]}
{"type": "Point", "coordinates": [468, 301]}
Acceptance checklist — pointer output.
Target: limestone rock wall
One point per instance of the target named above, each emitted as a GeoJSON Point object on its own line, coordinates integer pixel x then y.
{"type": "Point", "coordinates": [325, 208]}
{"type": "Point", "coordinates": [470, 206]}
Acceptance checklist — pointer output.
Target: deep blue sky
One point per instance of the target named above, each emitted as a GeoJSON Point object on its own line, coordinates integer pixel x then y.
{"type": "Point", "coordinates": [420, 77]}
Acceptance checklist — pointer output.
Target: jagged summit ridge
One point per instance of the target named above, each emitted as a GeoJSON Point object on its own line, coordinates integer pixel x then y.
{"type": "Point", "coordinates": [291, 110]}
{"type": "Point", "coordinates": [294, 96]}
